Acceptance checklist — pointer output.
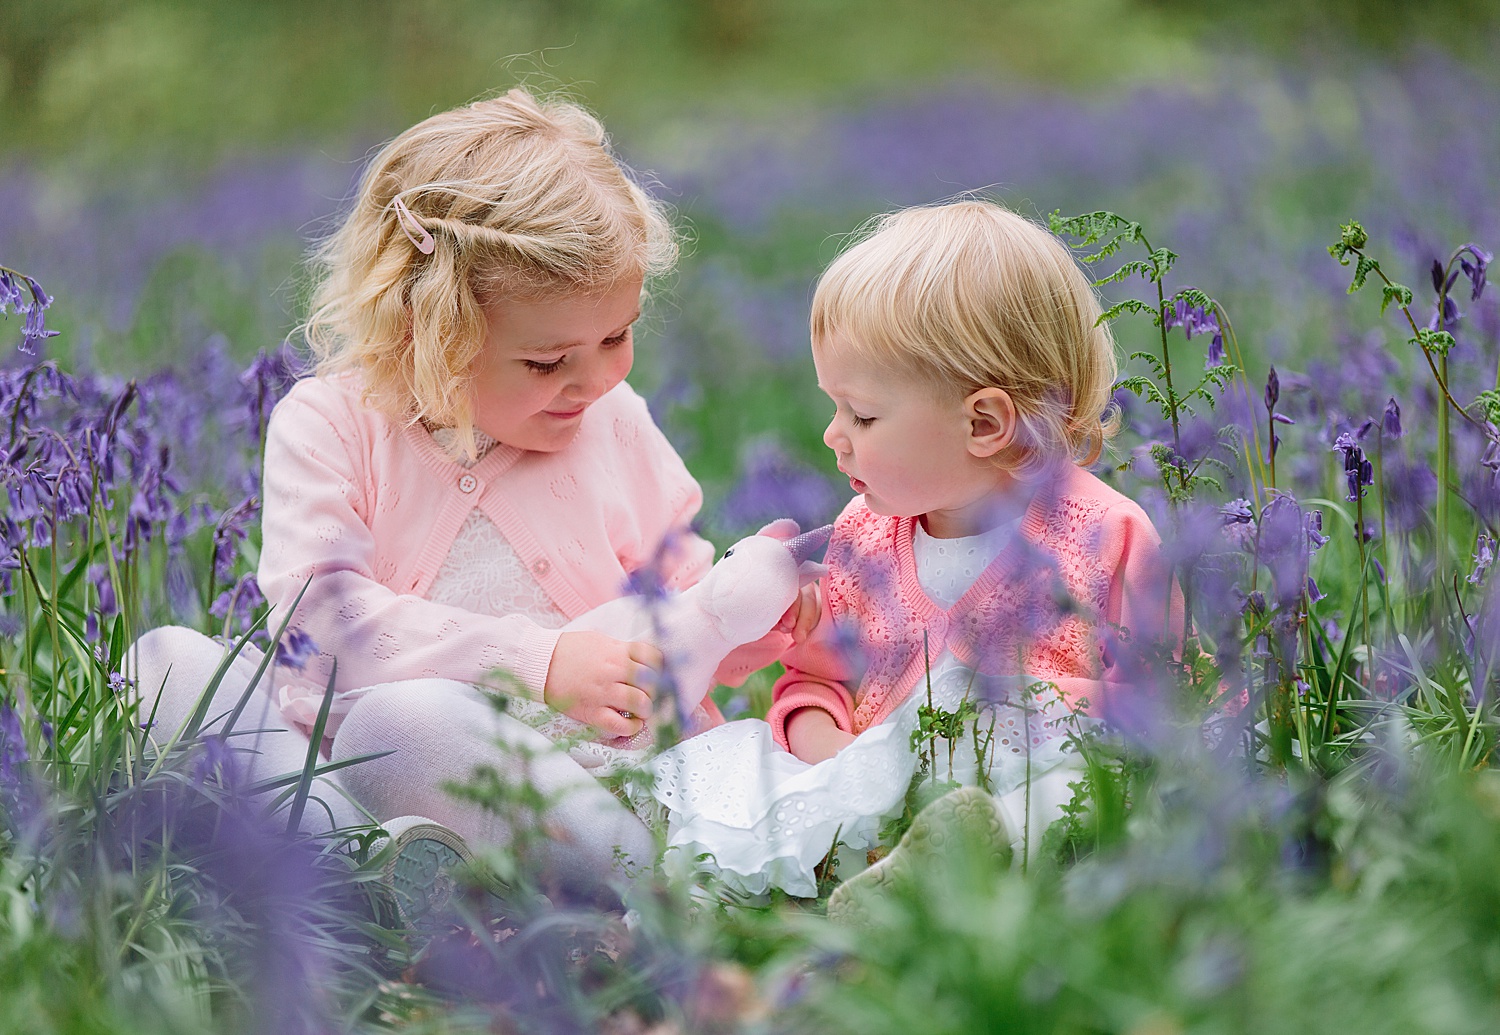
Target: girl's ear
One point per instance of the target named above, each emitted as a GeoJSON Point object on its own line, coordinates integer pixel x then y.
{"type": "Point", "coordinates": [992, 421]}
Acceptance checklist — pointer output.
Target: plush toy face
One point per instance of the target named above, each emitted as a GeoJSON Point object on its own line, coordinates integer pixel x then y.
{"type": "Point", "coordinates": [754, 583]}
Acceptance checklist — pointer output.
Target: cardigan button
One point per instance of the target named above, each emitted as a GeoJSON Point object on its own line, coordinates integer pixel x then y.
{"type": "Point", "coordinates": [540, 567]}
{"type": "Point", "coordinates": [468, 483]}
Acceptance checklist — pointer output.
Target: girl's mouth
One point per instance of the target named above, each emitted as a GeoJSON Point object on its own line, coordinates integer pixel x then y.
{"type": "Point", "coordinates": [566, 414]}
{"type": "Point", "coordinates": [857, 485]}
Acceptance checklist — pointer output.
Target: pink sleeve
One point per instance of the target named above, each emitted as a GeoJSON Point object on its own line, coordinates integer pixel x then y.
{"type": "Point", "coordinates": [1143, 599]}
{"type": "Point", "coordinates": [817, 674]}
{"type": "Point", "coordinates": [315, 474]}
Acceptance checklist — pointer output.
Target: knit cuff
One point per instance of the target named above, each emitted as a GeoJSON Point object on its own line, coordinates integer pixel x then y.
{"type": "Point", "coordinates": [789, 704]}
{"type": "Point", "coordinates": [533, 662]}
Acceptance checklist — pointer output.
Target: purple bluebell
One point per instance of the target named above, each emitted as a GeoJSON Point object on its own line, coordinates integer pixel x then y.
{"type": "Point", "coordinates": [1283, 547]}
{"type": "Point", "coordinates": [1273, 389]}
{"type": "Point", "coordinates": [1474, 265]}
{"type": "Point", "coordinates": [13, 752]}
{"type": "Point", "coordinates": [1314, 594]}
{"type": "Point", "coordinates": [1359, 473]}
{"type": "Point", "coordinates": [215, 761]}
{"type": "Point", "coordinates": [1196, 319]}
{"type": "Point", "coordinates": [239, 603]}
{"type": "Point", "coordinates": [1390, 423]}
{"type": "Point", "coordinates": [267, 379]}
{"type": "Point", "coordinates": [99, 576]}
{"type": "Point", "coordinates": [1238, 521]}
{"type": "Point", "coordinates": [231, 529]}
{"type": "Point", "coordinates": [1315, 537]}
{"type": "Point", "coordinates": [1445, 315]}
{"type": "Point", "coordinates": [1410, 490]}
{"type": "Point", "coordinates": [30, 303]}
{"type": "Point", "coordinates": [1484, 557]}
{"type": "Point", "coordinates": [774, 485]}
{"type": "Point", "coordinates": [295, 649]}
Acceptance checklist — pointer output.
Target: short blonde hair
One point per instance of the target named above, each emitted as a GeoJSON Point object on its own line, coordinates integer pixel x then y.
{"type": "Point", "coordinates": [970, 295]}
{"type": "Point", "coordinates": [522, 198]}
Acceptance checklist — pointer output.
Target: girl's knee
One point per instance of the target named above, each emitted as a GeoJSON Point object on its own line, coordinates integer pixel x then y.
{"type": "Point", "coordinates": [418, 715]}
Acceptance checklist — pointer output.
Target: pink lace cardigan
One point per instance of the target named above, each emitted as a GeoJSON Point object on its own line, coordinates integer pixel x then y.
{"type": "Point", "coordinates": [368, 510]}
{"type": "Point", "coordinates": [1077, 531]}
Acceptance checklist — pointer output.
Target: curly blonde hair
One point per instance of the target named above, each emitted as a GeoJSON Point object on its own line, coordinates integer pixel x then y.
{"type": "Point", "coordinates": [969, 295]}
{"type": "Point", "coordinates": [522, 198]}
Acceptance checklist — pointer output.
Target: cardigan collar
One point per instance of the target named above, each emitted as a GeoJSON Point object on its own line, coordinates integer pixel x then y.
{"type": "Point", "coordinates": [1032, 524]}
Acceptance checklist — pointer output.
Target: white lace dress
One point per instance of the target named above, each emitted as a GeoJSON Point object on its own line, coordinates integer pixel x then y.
{"type": "Point", "coordinates": [482, 573]}
{"type": "Point", "coordinates": [761, 818]}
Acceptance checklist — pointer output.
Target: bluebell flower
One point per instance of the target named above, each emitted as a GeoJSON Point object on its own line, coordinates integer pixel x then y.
{"type": "Point", "coordinates": [267, 379]}
{"type": "Point", "coordinates": [13, 751]}
{"type": "Point", "coordinates": [1484, 557]}
{"type": "Point", "coordinates": [774, 485]}
{"type": "Point", "coordinates": [1391, 420]}
{"type": "Point", "coordinates": [30, 303]}
{"type": "Point", "coordinates": [232, 529]}
{"type": "Point", "coordinates": [239, 603]}
{"type": "Point", "coordinates": [1315, 537]}
{"type": "Point", "coordinates": [1475, 270]}
{"type": "Point", "coordinates": [99, 576]}
{"type": "Point", "coordinates": [295, 649]}
{"type": "Point", "coordinates": [1358, 471]}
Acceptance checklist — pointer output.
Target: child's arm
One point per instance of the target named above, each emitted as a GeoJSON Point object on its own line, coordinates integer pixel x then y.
{"type": "Point", "coordinates": [1143, 598]}
{"type": "Point", "coordinates": [812, 711]}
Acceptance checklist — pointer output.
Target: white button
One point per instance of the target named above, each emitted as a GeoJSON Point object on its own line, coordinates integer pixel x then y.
{"type": "Point", "coordinates": [541, 567]}
{"type": "Point", "coordinates": [468, 483]}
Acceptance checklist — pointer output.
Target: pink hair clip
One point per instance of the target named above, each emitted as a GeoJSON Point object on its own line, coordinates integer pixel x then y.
{"type": "Point", "coordinates": [422, 239]}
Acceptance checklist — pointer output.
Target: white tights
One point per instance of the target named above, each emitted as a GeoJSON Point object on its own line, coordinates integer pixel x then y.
{"type": "Point", "coordinates": [438, 730]}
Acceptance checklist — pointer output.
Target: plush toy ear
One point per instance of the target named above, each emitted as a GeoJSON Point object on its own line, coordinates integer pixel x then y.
{"type": "Point", "coordinates": [810, 571]}
{"type": "Point", "coordinates": [781, 528]}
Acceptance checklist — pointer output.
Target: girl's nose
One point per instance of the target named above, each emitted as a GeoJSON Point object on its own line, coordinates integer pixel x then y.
{"type": "Point", "coordinates": [832, 437]}
{"type": "Point", "coordinates": [591, 378]}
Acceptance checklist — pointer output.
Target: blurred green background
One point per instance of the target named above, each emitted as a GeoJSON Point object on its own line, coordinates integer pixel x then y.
{"type": "Point", "coordinates": [164, 165]}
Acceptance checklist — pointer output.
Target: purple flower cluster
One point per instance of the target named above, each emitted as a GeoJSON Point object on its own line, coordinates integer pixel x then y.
{"type": "Point", "coordinates": [30, 303]}
{"type": "Point", "coordinates": [85, 458]}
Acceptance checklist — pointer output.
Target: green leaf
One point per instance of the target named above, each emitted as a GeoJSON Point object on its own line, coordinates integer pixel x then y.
{"type": "Point", "coordinates": [1362, 269]}
{"type": "Point", "coordinates": [1132, 268]}
{"type": "Point", "coordinates": [1129, 305]}
{"type": "Point", "coordinates": [1433, 341]}
{"type": "Point", "coordinates": [1397, 293]}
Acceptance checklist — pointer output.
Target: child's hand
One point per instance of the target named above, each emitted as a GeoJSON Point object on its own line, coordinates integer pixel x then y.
{"type": "Point", "coordinates": [813, 736]}
{"type": "Point", "coordinates": [604, 682]}
{"type": "Point", "coordinates": [803, 615]}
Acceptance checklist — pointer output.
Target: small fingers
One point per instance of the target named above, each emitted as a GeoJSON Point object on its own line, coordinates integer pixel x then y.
{"type": "Point", "coordinates": [618, 724]}
{"type": "Point", "coordinates": [645, 668]}
{"type": "Point", "coordinates": [807, 617]}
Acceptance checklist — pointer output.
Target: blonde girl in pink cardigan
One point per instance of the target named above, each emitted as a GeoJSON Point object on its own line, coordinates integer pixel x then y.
{"type": "Point", "coordinates": [971, 382]}
{"type": "Point", "coordinates": [467, 472]}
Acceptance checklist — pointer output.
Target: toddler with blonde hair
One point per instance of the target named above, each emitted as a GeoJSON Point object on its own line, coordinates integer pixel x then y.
{"type": "Point", "coordinates": [971, 379]}
{"type": "Point", "coordinates": [467, 472]}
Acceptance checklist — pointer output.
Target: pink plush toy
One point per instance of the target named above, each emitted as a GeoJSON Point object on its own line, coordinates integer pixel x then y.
{"type": "Point", "coordinates": [740, 600]}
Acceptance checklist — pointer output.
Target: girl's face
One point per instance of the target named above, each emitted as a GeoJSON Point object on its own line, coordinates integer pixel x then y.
{"type": "Point", "coordinates": [545, 362]}
{"type": "Point", "coordinates": [907, 446]}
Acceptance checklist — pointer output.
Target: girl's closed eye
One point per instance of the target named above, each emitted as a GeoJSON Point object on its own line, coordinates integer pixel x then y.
{"type": "Point", "coordinates": [550, 367]}
{"type": "Point", "coordinates": [861, 422]}
{"type": "Point", "coordinates": [554, 365]}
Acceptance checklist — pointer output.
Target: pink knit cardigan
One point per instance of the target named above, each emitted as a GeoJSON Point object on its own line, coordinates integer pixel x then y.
{"type": "Point", "coordinates": [1077, 531]}
{"type": "Point", "coordinates": [368, 510]}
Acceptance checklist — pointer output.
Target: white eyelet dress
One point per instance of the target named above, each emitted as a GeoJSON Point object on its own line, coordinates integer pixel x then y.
{"type": "Point", "coordinates": [760, 818]}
